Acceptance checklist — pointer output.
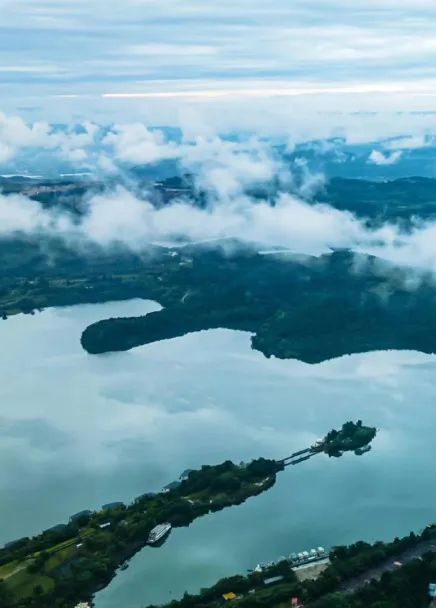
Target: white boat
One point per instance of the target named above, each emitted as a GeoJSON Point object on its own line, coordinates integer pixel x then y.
{"type": "Point", "coordinates": [158, 533]}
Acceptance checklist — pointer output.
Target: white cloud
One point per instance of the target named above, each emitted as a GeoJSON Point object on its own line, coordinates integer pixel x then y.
{"type": "Point", "coordinates": [19, 214]}
{"type": "Point", "coordinates": [119, 216]}
{"type": "Point", "coordinates": [226, 168]}
{"type": "Point", "coordinates": [410, 142]}
{"type": "Point", "coordinates": [379, 158]}
{"type": "Point", "coordinates": [143, 44]}
{"type": "Point", "coordinates": [17, 135]}
{"type": "Point", "coordinates": [134, 143]}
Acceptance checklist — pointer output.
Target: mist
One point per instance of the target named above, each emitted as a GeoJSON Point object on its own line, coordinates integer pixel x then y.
{"type": "Point", "coordinates": [225, 171]}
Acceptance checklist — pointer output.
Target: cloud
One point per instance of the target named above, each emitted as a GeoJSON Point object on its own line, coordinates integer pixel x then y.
{"type": "Point", "coordinates": [20, 214]}
{"type": "Point", "coordinates": [119, 216]}
{"type": "Point", "coordinates": [410, 142]}
{"type": "Point", "coordinates": [226, 168]}
{"type": "Point", "coordinates": [17, 135]}
{"type": "Point", "coordinates": [379, 158]}
{"type": "Point", "coordinates": [134, 143]}
{"type": "Point", "coordinates": [64, 48]}
{"type": "Point", "coordinates": [226, 171]}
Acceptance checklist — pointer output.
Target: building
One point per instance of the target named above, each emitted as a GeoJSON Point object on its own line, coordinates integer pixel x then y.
{"type": "Point", "coordinates": [57, 528]}
{"type": "Point", "coordinates": [144, 497]}
{"type": "Point", "coordinates": [185, 474]}
{"type": "Point", "coordinates": [13, 543]}
{"type": "Point", "coordinates": [105, 525]}
{"type": "Point", "coordinates": [80, 515]}
{"type": "Point", "coordinates": [171, 486]}
{"type": "Point", "coordinates": [272, 580]}
{"type": "Point", "coordinates": [229, 597]}
{"type": "Point", "coordinates": [111, 506]}
{"type": "Point", "coordinates": [432, 590]}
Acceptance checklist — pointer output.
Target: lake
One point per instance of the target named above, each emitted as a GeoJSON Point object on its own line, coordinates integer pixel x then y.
{"type": "Point", "coordinates": [78, 431]}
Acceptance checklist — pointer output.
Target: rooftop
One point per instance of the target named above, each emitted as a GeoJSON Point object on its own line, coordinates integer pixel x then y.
{"type": "Point", "coordinates": [57, 528]}
{"type": "Point", "coordinates": [112, 505]}
{"type": "Point", "coordinates": [172, 486]}
{"type": "Point", "coordinates": [85, 513]}
{"type": "Point", "coordinates": [146, 495]}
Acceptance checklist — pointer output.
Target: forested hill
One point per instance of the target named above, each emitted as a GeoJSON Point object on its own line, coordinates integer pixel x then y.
{"type": "Point", "coordinates": [389, 200]}
{"type": "Point", "coordinates": [311, 309]}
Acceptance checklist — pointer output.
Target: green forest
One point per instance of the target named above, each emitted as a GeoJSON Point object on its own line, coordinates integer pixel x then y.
{"type": "Point", "coordinates": [343, 584]}
{"type": "Point", "coordinates": [70, 562]}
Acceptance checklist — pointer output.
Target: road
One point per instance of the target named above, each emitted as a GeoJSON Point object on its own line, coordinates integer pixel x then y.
{"type": "Point", "coordinates": [16, 571]}
{"type": "Point", "coordinates": [311, 571]}
{"type": "Point", "coordinates": [376, 573]}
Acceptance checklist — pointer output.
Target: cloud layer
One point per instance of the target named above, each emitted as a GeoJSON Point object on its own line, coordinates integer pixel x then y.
{"type": "Point", "coordinates": [62, 50]}
{"type": "Point", "coordinates": [227, 171]}
{"type": "Point", "coordinates": [119, 216]}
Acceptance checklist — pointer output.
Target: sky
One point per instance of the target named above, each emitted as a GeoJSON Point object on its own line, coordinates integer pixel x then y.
{"type": "Point", "coordinates": [166, 60]}
{"type": "Point", "coordinates": [362, 70]}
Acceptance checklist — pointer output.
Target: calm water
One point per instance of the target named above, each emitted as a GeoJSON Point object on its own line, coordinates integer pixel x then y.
{"type": "Point", "coordinates": [78, 430]}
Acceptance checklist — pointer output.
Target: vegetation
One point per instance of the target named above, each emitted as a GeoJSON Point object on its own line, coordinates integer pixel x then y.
{"type": "Point", "coordinates": [396, 200]}
{"type": "Point", "coordinates": [351, 438]}
{"type": "Point", "coordinates": [342, 584]}
{"type": "Point", "coordinates": [289, 304]}
{"type": "Point", "coordinates": [68, 564]}
{"type": "Point", "coordinates": [71, 562]}
{"type": "Point", "coordinates": [311, 309]}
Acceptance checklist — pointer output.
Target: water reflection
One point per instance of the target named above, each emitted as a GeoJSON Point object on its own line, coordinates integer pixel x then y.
{"type": "Point", "coordinates": [77, 431]}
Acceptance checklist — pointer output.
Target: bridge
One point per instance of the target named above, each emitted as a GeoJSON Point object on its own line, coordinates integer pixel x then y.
{"type": "Point", "coordinates": [301, 455]}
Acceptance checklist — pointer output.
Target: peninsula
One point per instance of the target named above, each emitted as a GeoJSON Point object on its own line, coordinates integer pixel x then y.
{"type": "Point", "coordinates": [302, 307]}
{"type": "Point", "coordinates": [70, 562]}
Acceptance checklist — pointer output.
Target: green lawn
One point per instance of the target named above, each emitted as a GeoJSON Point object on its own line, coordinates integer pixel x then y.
{"type": "Point", "coordinates": [22, 584]}
{"type": "Point", "coordinates": [7, 569]}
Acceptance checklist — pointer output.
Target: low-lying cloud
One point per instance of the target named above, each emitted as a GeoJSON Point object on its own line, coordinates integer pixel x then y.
{"type": "Point", "coordinates": [313, 229]}
{"type": "Point", "coordinates": [379, 158]}
{"type": "Point", "coordinates": [227, 173]}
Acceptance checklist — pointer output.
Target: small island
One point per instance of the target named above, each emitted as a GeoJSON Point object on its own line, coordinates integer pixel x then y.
{"type": "Point", "coordinates": [351, 438]}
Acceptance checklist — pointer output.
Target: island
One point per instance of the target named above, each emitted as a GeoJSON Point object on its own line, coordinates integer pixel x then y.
{"type": "Point", "coordinates": [352, 436]}
{"type": "Point", "coordinates": [70, 562]}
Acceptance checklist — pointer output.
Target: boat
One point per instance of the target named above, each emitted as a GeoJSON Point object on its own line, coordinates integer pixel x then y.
{"type": "Point", "coordinates": [158, 533]}
{"type": "Point", "coordinates": [297, 559]}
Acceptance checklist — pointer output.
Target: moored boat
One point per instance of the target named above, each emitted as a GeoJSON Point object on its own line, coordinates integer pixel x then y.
{"type": "Point", "coordinates": [158, 533]}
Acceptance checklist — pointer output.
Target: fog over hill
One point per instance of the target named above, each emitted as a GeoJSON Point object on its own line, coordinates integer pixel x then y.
{"type": "Point", "coordinates": [140, 186]}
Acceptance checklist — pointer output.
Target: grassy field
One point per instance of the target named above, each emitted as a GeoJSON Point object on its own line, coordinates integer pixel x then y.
{"type": "Point", "coordinates": [7, 569]}
{"type": "Point", "coordinates": [22, 584]}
